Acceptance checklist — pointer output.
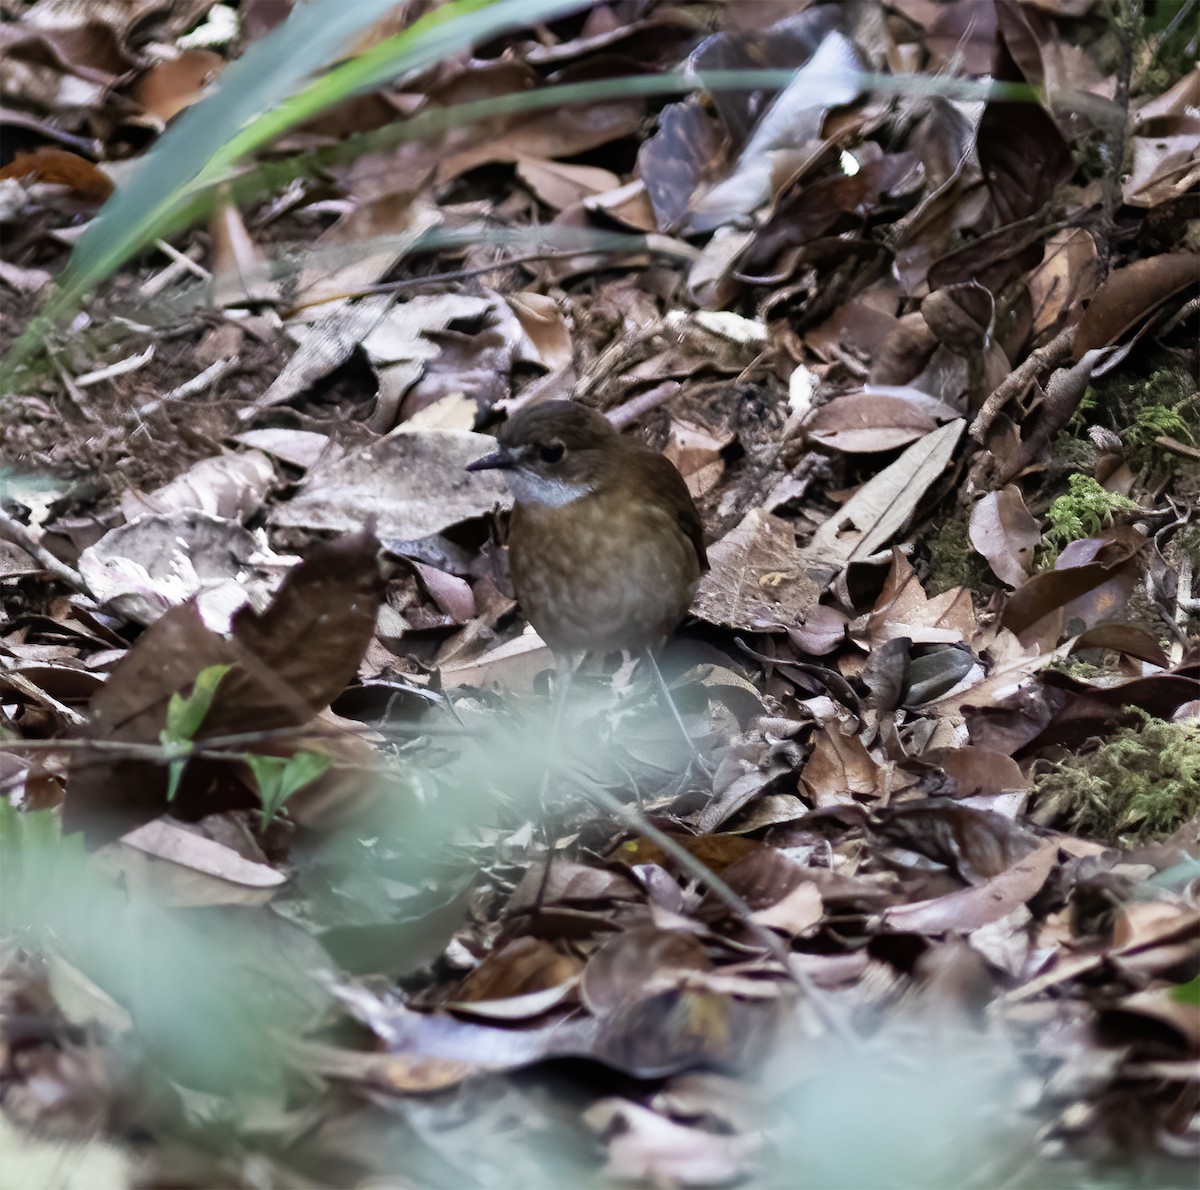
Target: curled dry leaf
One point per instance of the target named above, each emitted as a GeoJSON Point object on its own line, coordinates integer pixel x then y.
{"type": "Point", "coordinates": [522, 966]}
{"type": "Point", "coordinates": [974, 843]}
{"type": "Point", "coordinates": [1107, 565]}
{"type": "Point", "coordinates": [971, 908]}
{"type": "Point", "coordinates": [544, 325]}
{"type": "Point", "coordinates": [1130, 295]}
{"type": "Point", "coordinates": [1166, 166]}
{"type": "Point", "coordinates": [169, 87]}
{"type": "Point", "coordinates": [637, 962]}
{"type": "Point", "coordinates": [962, 316]}
{"type": "Point", "coordinates": [155, 562]}
{"type": "Point", "coordinates": [570, 883]}
{"type": "Point", "coordinates": [829, 78]}
{"type": "Point", "coordinates": [229, 486]}
{"type": "Point", "coordinates": [682, 155]}
{"type": "Point", "coordinates": [839, 768]}
{"type": "Point", "coordinates": [1067, 276]}
{"type": "Point", "coordinates": [83, 178]}
{"type": "Point", "coordinates": [974, 770]}
{"type": "Point", "coordinates": [904, 610]}
{"type": "Point", "coordinates": [696, 454]}
{"type": "Point", "coordinates": [1004, 531]}
{"type": "Point", "coordinates": [1123, 638]}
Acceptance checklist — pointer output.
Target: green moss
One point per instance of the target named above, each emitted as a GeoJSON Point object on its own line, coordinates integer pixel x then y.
{"type": "Point", "coordinates": [1187, 543]}
{"type": "Point", "coordinates": [1072, 451]}
{"type": "Point", "coordinates": [1141, 408]}
{"type": "Point", "coordinates": [1165, 48]}
{"type": "Point", "coordinates": [1083, 512]}
{"type": "Point", "coordinates": [1153, 420]}
{"type": "Point", "coordinates": [1081, 668]}
{"type": "Point", "coordinates": [1141, 784]}
{"type": "Point", "coordinates": [953, 561]}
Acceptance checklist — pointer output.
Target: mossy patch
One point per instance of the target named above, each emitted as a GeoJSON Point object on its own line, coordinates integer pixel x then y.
{"type": "Point", "coordinates": [953, 561]}
{"type": "Point", "coordinates": [1141, 409]}
{"type": "Point", "coordinates": [1083, 512]}
{"type": "Point", "coordinates": [1141, 784]}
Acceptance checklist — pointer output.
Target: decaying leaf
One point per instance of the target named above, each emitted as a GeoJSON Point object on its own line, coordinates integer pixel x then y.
{"type": "Point", "coordinates": [285, 665]}
{"type": "Point", "coordinates": [756, 578]}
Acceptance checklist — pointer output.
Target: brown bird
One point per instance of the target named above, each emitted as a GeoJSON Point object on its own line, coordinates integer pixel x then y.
{"type": "Point", "coordinates": [605, 544]}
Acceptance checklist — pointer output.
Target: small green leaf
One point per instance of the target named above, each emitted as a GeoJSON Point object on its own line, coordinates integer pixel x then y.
{"type": "Point", "coordinates": [185, 716]}
{"type": "Point", "coordinates": [1187, 993]}
{"type": "Point", "coordinates": [279, 777]}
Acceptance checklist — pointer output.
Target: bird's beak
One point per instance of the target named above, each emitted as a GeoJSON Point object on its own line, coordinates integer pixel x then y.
{"type": "Point", "coordinates": [498, 459]}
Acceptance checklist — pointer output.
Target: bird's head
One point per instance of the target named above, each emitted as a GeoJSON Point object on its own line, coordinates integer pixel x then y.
{"type": "Point", "coordinates": [553, 453]}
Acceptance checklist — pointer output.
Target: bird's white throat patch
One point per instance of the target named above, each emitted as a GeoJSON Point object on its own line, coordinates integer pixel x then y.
{"type": "Point", "coordinates": [530, 488]}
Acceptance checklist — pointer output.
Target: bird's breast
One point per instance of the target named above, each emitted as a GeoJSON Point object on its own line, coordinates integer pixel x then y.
{"type": "Point", "coordinates": [602, 573]}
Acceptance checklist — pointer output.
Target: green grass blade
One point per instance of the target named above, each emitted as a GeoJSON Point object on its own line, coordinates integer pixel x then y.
{"type": "Point", "coordinates": [251, 105]}
{"type": "Point", "coordinates": [433, 122]}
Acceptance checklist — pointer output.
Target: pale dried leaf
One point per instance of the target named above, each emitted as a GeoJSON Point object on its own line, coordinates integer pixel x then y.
{"type": "Point", "coordinates": [756, 580]}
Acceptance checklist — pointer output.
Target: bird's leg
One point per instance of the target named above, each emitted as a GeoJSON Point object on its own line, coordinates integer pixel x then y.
{"type": "Point", "coordinates": [564, 671]}
{"type": "Point", "coordinates": [665, 691]}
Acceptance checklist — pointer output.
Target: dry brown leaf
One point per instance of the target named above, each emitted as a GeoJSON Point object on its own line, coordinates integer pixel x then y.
{"type": "Point", "coordinates": [561, 185]}
{"type": "Point", "coordinates": [284, 665]}
{"type": "Point", "coordinates": [637, 963]}
{"type": "Point", "coordinates": [156, 562]}
{"type": "Point", "coordinates": [1068, 275]}
{"type": "Point", "coordinates": [85, 179]}
{"type": "Point", "coordinates": [1165, 166]}
{"type": "Point", "coordinates": [1003, 530]}
{"type": "Point", "coordinates": [187, 847]}
{"type": "Point", "coordinates": [877, 512]}
{"type": "Point", "coordinates": [838, 768]}
{"type": "Point", "coordinates": [170, 86]}
{"type": "Point", "coordinates": [1130, 295]}
{"type": "Point", "coordinates": [413, 484]}
{"type": "Point", "coordinates": [526, 965]}
{"type": "Point", "coordinates": [230, 486]}
{"type": "Point", "coordinates": [543, 322]}
{"type": "Point", "coordinates": [756, 580]}
{"type": "Point", "coordinates": [971, 908]}
{"type": "Point", "coordinates": [864, 424]}
{"type": "Point", "coordinates": [904, 610]}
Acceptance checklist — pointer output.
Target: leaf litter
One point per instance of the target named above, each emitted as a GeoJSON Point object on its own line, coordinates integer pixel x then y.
{"type": "Point", "coordinates": [910, 929]}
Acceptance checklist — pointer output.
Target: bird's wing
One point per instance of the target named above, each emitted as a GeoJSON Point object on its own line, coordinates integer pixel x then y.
{"type": "Point", "coordinates": [660, 475]}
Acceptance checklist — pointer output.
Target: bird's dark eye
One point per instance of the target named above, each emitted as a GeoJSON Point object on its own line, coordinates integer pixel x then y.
{"type": "Point", "coordinates": [552, 452]}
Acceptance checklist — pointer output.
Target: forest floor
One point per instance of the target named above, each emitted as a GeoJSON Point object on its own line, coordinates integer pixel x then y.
{"type": "Point", "coordinates": [296, 891]}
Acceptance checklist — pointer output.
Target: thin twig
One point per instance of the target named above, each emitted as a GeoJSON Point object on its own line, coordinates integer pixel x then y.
{"type": "Point", "coordinates": [189, 388]}
{"type": "Point", "coordinates": [12, 530]}
{"type": "Point", "coordinates": [219, 747]}
{"type": "Point", "coordinates": [454, 275]}
{"type": "Point", "coordinates": [1020, 378]}
{"type": "Point", "coordinates": [830, 1014]}
{"type": "Point", "coordinates": [121, 368]}
{"type": "Point", "coordinates": [639, 406]}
